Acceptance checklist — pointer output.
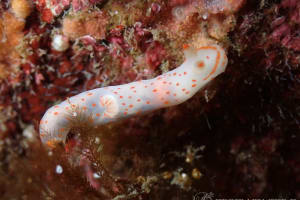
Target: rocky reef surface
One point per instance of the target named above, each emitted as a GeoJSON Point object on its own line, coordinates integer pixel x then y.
{"type": "Point", "coordinates": [238, 138]}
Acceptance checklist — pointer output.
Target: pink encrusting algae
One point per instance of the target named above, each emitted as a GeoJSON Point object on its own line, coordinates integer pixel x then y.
{"type": "Point", "coordinates": [104, 105]}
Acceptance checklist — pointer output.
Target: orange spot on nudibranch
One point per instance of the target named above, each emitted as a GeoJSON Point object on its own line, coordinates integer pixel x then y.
{"type": "Point", "coordinates": [90, 94]}
{"type": "Point", "coordinates": [46, 122]}
{"type": "Point", "coordinates": [129, 97]}
{"type": "Point", "coordinates": [187, 92]}
{"type": "Point", "coordinates": [167, 92]}
{"type": "Point", "coordinates": [200, 64]}
{"type": "Point", "coordinates": [183, 89]}
{"type": "Point", "coordinates": [177, 84]}
{"type": "Point", "coordinates": [138, 100]}
{"type": "Point", "coordinates": [145, 86]}
{"type": "Point", "coordinates": [217, 60]}
{"type": "Point", "coordinates": [148, 102]}
{"type": "Point", "coordinates": [132, 87]}
{"type": "Point", "coordinates": [84, 108]}
{"type": "Point", "coordinates": [130, 106]}
{"type": "Point", "coordinates": [174, 73]}
{"type": "Point", "coordinates": [55, 113]}
{"type": "Point", "coordinates": [125, 113]}
{"type": "Point", "coordinates": [194, 80]}
{"type": "Point", "coordinates": [98, 114]}
{"type": "Point", "coordinates": [82, 99]}
{"type": "Point", "coordinates": [215, 66]}
{"type": "Point", "coordinates": [185, 46]}
{"type": "Point", "coordinates": [166, 102]}
{"type": "Point", "coordinates": [185, 73]}
{"type": "Point", "coordinates": [121, 97]}
{"type": "Point", "coordinates": [155, 90]}
{"type": "Point", "coordinates": [194, 85]}
{"type": "Point", "coordinates": [56, 106]}
{"type": "Point", "coordinates": [94, 105]}
{"type": "Point", "coordinates": [174, 94]}
{"type": "Point", "coordinates": [123, 104]}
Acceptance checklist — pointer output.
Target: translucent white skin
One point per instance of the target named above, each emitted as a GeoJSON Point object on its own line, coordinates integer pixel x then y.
{"type": "Point", "coordinates": [104, 105]}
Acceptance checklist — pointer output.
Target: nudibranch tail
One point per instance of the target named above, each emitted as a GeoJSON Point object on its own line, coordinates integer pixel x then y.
{"type": "Point", "coordinates": [104, 105]}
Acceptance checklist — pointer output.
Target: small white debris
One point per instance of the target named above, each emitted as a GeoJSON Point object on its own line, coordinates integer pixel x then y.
{"type": "Point", "coordinates": [205, 16]}
{"type": "Point", "coordinates": [97, 140]}
{"type": "Point", "coordinates": [60, 42]}
{"type": "Point", "coordinates": [29, 133]}
{"type": "Point", "coordinates": [96, 175]}
{"type": "Point", "coordinates": [59, 169]}
{"type": "Point", "coordinates": [184, 175]}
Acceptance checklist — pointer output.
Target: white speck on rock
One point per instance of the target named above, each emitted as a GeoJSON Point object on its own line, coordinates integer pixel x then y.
{"type": "Point", "coordinates": [29, 133]}
{"type": "Point", "coordinates": [59, 169]}
{"type": "Point", "coordinates": [60, 42]}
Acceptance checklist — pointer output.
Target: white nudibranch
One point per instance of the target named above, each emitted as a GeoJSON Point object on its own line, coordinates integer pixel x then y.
{"type": "Point", "coordinates": [108, 104]}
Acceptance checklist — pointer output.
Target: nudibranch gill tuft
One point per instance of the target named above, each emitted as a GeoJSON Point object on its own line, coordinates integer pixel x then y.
{"type": "Point", "coordinates": [108, 104]}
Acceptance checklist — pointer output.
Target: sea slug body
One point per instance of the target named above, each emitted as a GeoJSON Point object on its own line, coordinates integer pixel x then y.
{"type": "Point", "coordinates": [108, 104]}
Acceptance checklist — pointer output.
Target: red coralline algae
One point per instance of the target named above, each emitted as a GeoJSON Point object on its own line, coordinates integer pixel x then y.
{"type": "Point", "coordinates": [53, 8]}
{"type": "Point", "coordinates": [283, 30]}
{"type": "Point", "coordinates": [155, 54]}
{"type": "Point", "coordinates": [116, 38]}
{"type": "Point", "coordinates": [142, 36]}
{"type": "Point", "coordinates": [285, 26]}
{"type": "Point", "coordinates": [45, 12]}
{"type": "Point", "coordinates": [178, 2]}
{"type": "Point", "coordinates": [82, 4]}
{"type": "Point", "coordinates": [155, 8]}
{"type": "Point", "coordinates": [294, 44]}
